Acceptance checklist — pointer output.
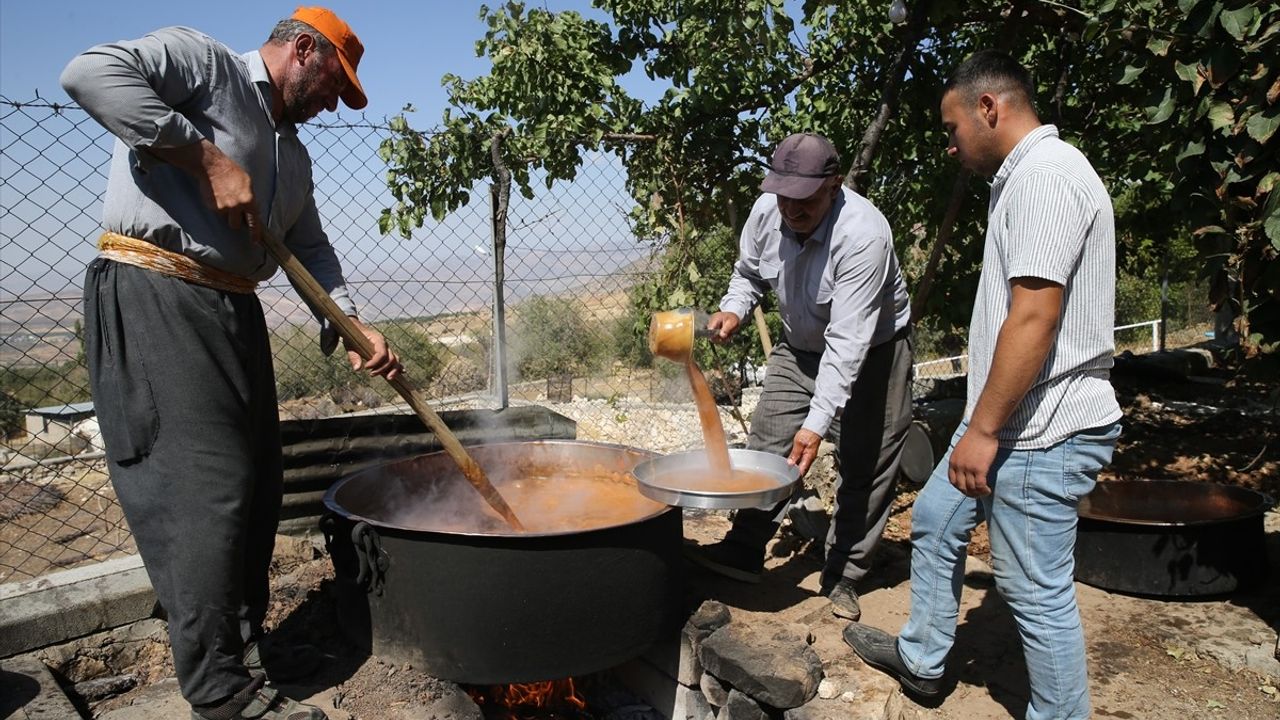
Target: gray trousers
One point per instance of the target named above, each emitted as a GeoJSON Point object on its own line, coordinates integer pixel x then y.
{"type": "Point", "coordinates": [870, 433]}
{"type": "Point", "coordinates": [184, 390]}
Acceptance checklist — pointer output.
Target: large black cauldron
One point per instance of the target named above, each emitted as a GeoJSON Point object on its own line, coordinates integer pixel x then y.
{"type": "Point", "coordinates": [1171, 538]}
{"type": "Point", "coordinates": [496, 607]}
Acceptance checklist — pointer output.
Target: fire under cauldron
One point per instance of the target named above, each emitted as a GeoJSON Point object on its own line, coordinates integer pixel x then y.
{"type": "Point", "coordinates": [1171, 538]}
{"type": "Point", "coordinates": [428, 576]}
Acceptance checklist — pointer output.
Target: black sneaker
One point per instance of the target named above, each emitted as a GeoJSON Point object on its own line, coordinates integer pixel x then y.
{"type": "Point", "coordinates": [844, 600]}
{"type": "Point", "coordinates": [879, 649]}
{"type": "Point", "coordinates": [281, 664]}
{"type": "Point", "coordinates": [258, 701]}
{"type": "Point", "coordinates": [729, 559]}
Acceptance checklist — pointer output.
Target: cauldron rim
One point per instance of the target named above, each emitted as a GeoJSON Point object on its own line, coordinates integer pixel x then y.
{"type": "Point", "coordinates": [1258, 503]}
{"type": "Point", "coordinates": [331, 502]}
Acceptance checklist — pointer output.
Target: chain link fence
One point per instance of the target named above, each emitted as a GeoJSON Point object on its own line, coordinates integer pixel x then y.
{"type": "Point", "coordinates": [570, 262]}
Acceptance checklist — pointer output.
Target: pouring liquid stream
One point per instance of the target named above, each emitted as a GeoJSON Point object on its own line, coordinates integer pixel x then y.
{"type": "Point", "coordinates": [709, 418]}
{"type": "Point", "coordinates": [671, 336]}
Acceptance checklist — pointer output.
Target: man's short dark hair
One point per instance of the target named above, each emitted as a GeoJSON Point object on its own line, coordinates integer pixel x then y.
{"type": "Point", "coordinates": [991, 71]}
{"type": "Point", "coordinates": [288, 29]}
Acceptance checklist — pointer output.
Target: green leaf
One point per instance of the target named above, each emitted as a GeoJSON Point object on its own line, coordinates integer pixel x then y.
{"type": "Point", "coordinates": [1191, 73]}
{"type": "Point", "coordinates": [1186, 5]}
{"type": "Point", "coordinates": [1131, 73]}
{"type": "Point", "coordinates": [1159, 46]}
{"type": "Point", "coordinates": [1223, 65]}
{"type": "Point", "coordinates": [1268, 183]}
{"type": "Point", "coordinates": [1271, 226]}
{"type": "Point", "coordinates": [1193, 149]}
{"type": "Point", "coordinates": [1210, 230]}
{"type": "Point", "coordinates": [1091, 28]}
{"type": "Point", "coordinates": [1221, 115]}
{"type": "Point", "coordinates": [1238, 22]}
{"type": "Point", "coordinates": [1261, 126]}
{"type": "Point", "coordinates": [1157, 114]}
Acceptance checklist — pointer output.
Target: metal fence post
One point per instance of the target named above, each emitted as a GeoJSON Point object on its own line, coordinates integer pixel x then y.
{"type": "Point", "coordinates": [499, 199]}
{"type": "Point", "coordinates": [1164, 294]}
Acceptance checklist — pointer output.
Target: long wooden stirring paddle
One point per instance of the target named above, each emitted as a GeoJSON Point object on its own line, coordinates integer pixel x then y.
{"type": "Point", "coordinates": [307, 285]}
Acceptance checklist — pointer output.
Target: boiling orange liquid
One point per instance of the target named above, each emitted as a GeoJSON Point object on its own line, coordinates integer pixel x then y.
{"type": "Point", "coordinates": [546, 498]}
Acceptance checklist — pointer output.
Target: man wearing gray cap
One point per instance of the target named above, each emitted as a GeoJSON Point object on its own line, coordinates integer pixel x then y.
{"type": "Point", "coordinates": [844, 359]}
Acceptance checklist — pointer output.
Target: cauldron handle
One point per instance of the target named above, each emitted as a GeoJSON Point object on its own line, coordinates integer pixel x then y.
{"type": "Point", "coordinates": [373, 561]}
{"type": "Point", "coordinates": [329, 528]}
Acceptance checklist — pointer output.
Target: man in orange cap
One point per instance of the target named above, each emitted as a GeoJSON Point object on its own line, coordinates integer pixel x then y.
{"type": "Point", "coordinates": [208, 158]}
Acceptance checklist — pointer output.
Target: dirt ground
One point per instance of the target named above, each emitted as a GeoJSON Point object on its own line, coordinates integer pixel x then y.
{"type": "Point", "coordinates": [1148, 658]}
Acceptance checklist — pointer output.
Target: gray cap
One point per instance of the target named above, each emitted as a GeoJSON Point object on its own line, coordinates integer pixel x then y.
{"type": "Point", "coordinates": [799, 166]}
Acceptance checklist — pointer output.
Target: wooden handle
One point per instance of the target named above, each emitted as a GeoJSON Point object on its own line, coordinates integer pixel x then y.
{"type": "Point", "coordinates": [763, 327]}
{"type": "Point", "coordinates": [347, 329]}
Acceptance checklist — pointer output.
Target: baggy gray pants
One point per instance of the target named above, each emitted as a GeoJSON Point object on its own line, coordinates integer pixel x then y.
{"type": "Point", "coordinates": [184, 390]}
{"type": "Point", "coordinates": [869, 433]}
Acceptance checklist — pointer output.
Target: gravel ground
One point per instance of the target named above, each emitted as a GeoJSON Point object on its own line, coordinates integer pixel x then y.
{"type": "Point", "coordinates": [662, 428]}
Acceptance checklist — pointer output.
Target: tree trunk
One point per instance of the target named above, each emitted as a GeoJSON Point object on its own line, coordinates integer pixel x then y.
{"type": "Point", "coordinates": [921, 295]}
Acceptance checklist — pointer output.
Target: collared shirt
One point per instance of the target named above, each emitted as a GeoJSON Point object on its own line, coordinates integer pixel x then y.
{"type": "Point", "coordinates": [840, 292]}
{"type": "Point", "coordinates": [1050, 217]}
{"type": "Point", "coordinates": [175, 87]}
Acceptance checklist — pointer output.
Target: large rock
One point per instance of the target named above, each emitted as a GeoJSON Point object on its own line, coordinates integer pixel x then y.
{"type": "Point", "coordinates": [741, 707]}
{"type": "Point", "coordinates": [715, 692]}
{"type": "Point", "coordinates": [708, 618]}
{"type": "Point", "coordinates": [770, 662]}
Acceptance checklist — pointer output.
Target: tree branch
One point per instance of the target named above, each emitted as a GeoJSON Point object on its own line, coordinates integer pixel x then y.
{"type": "Point", "coordinates": [888, 96]}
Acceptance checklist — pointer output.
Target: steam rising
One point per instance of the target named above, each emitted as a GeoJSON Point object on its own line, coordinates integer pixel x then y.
{"type": "Point", "coordinates": [552, 486]}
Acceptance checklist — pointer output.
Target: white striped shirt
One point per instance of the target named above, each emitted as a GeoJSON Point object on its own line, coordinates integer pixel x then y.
{"type": "Point", "coordinates": [1050, 217]}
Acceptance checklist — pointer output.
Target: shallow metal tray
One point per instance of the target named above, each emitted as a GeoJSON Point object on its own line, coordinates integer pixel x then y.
{"type": "Point", "coordinates": [650, 476]}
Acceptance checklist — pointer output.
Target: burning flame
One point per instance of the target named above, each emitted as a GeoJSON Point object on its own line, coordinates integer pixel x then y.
{"type": "Point", "coordinates": [536, 697]}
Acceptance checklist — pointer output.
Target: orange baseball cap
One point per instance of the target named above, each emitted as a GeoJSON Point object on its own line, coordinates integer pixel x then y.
{"type": "Point", "coordinates": [348, 45]}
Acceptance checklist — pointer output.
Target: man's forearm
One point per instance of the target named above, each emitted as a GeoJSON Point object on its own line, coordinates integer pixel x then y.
{"type": "Point", "coordinates": [227, 189]}
{"type": "Point", "coordinates": [199, 159]}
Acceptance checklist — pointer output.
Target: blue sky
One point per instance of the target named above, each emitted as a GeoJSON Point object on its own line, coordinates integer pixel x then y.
{"type": "Point", "coordinates": [408, 45]}
{"type": "Point", "coordinates": [560, 239]}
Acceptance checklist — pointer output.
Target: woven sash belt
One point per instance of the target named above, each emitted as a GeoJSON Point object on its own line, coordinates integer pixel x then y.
{"type": "Point", "coordinates": [149, 256]}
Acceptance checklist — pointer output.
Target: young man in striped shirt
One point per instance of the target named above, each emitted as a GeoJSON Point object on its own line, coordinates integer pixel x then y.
{"type": "Point", "coordinates": [1041, 420]}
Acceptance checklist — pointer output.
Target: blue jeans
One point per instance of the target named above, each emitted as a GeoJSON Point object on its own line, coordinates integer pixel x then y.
{"type": "Point", "coordinates": [1031, 514]}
